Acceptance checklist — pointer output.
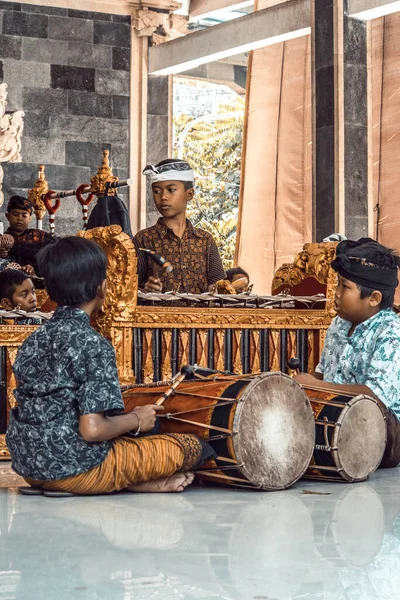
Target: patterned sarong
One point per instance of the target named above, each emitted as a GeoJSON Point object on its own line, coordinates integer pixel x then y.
{"type": "Point", "coordinates": [132, 460]}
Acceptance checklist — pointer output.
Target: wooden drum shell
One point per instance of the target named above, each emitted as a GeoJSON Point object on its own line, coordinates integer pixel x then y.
{"type": "Point", "coordinates": [262, 427]}
{"type": "Point", "coordinates": [350, 436]}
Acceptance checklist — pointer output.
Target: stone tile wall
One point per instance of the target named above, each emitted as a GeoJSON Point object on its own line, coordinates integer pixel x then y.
{"type": "Point", "coordinates": [157, 132]}
{"type": "Point", "coordinates": [69, 71]}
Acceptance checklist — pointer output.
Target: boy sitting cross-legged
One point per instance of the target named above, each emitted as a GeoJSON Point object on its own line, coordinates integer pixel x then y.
{"type": "Point", "coordinates": [361, 354]}
{"type": "Point", "coordinates": [62, 436]}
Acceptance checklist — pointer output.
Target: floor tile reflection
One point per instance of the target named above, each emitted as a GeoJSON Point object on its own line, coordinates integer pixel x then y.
{"type": "Point", "coordinates": [313, 541]}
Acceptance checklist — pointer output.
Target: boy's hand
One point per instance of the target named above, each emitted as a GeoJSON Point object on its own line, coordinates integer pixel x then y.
{"type": "Point", "coordinates": [28, 269]}
{"type": "Point", "coordinates": [3, 253]}
{"type": "Point", "coordinates": [306, 379]}
{"type": "Point", "coordinates": [147, 415]}
{"type": "Point", "coordinates": [153, 285]}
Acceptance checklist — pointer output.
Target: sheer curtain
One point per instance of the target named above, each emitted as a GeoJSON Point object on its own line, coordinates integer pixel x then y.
{"type": "Point", "coordinates": [275, 206]}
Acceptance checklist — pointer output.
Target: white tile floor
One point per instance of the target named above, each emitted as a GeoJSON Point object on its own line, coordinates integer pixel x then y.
{"type": "Point", "coordinates": [313, 541]}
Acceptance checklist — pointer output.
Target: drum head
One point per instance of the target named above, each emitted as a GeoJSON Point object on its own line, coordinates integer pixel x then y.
{"type": "Point", "coordinates": [360, 439]}
{"type": "Point", "coordinates": [275, 431]}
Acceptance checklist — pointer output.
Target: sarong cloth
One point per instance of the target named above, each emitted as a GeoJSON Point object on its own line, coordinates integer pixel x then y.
{"type": "Point", "coordinates": [132, 460]}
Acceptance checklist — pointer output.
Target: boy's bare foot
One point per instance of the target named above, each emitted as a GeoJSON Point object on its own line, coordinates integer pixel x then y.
{"type": "Point", "coordinates": [176, 483]}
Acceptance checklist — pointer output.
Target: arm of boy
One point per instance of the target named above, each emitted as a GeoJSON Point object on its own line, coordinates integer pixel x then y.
{"type": "Point", "coordinates": [97, 427]}
{"type": "Point", "coordinates": [215, 270]}
{"type": "Point", "coordinates": [316, 379]}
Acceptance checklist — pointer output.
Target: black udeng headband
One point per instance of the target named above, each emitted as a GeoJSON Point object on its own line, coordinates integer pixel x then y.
{"type": "Point", "coordinates": [363, 271]}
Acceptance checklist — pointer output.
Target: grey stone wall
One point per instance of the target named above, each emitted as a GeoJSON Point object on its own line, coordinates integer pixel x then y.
{"type": "Point", "coordinates": [69, 71]}
{"type": "Point", "coordinates": [157, 132]}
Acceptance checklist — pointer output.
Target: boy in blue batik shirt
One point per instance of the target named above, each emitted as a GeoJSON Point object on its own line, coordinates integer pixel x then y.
{"type": "Point", "coordinates": [361, 354]}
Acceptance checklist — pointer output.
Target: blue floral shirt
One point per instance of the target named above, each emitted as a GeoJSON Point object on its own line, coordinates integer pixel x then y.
{"type": "Point", "coordinates": [370, 356]}
{"type": "Point", "coordinates": [64, 369]}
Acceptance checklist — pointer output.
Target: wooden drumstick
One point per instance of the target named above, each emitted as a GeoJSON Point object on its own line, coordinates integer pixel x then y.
{"type": "Point", "coordinates": [178, 378]}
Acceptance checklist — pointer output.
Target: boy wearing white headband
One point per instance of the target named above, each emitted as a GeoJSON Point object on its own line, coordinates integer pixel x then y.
{"type": "Point", "coordinates": [192, 251]}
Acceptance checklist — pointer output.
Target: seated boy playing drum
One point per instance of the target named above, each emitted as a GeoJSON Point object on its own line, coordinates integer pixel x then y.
{"type": "Point", "coordinates": [62, 436]}
{"type": "Point", "coordinates": [361, 354]}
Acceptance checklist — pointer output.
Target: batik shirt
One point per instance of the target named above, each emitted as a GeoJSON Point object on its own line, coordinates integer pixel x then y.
{"type": "Point", "coordinates": [64, 369]}
{"type": "Point", "coordinates": [370, 356]}
{"type": "Point", "coordinates": [195, 258]}
{"type": "Point", "coordinates": [27, 245]}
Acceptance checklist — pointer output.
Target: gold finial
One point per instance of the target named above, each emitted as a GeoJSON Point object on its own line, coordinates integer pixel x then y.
{"type": "Point", "coordinates": [34, 195]}
{"type": "Point", "coordinates": [104, 175]}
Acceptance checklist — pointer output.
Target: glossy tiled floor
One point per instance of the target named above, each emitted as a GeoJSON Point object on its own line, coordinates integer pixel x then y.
{"type": "Point", "coordinates": [313, 541]}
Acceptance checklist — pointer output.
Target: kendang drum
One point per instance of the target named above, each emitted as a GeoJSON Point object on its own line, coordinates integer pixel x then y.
{"type": "Point", "coordinates": [350, 436]}
{"type": "Point", "coordinates": [262, 427]}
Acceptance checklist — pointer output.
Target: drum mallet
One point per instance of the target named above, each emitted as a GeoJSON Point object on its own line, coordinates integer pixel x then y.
{"type": "Point", "coordinates": [295, 364]}
{"type": "Point", "coordinates": [160, 262]}
{"type": "Point", "coordinates": [176, 380]}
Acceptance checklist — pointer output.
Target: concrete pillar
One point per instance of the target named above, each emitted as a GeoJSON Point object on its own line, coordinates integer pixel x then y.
{"type": "Point", "coordinates": [340, 120]}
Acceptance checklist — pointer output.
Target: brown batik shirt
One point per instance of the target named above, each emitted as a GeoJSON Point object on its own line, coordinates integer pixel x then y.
{"type": "Point", "coordinates": [194, 257]}
{"type": "Point", "coordinates": [27, 245]}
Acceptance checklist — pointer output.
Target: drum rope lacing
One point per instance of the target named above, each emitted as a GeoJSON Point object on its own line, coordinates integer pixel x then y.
{"type": "Point", "coordinates": [224, 402]}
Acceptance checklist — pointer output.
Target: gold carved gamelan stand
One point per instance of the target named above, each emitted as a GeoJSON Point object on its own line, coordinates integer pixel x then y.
{"type": "Point", "coordinates": [153, 342]}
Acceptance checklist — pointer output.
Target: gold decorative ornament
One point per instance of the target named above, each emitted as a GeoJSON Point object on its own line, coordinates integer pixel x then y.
{"type": "Point", "coordinates": [4, 453]}
{"type": "Point", "coordinates": [122, 279]}
{"type": "Point", "coordinates": [40, 187]}
{"type": "Point", "coordinates": [98, 183]}
{"type": "Point", "coordinates": [312, 262]}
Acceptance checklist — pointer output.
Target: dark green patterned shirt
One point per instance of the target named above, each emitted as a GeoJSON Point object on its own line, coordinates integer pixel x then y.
{"type": "Point", "coordinates": [64, 369]}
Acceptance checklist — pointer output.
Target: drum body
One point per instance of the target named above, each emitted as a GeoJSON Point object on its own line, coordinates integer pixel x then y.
{"type": "Point", "coordinates": [262, 427]}
{"type": "Point", "coordinates": [350, 436]}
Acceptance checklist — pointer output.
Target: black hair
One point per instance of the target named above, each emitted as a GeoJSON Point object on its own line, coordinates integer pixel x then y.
{"type": "Point", "coordinates": [19, 203]}
{"type": "Point", "coordinates": [387, 296]}
{"type": "Point", "coordinates": [10, 279]}
{"type": "Point", "coordinates": [382, 256]}
{"type": "Point", "coordinates": [230, 273]}
{"type": "Point", "coordinates": [168, 161]}
{"type": "Point", "coordinates": [72, 268]}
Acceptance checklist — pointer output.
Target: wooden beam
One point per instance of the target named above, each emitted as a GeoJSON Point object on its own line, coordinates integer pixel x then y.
{"type": "Point", "coordinates": [199, 8]}
{"type": "Point", "coordinates": [138, 131]}
{"type": "Point", "coordinates": [265, 27]}
{"type": "Point", "coordinates": [371, 9]}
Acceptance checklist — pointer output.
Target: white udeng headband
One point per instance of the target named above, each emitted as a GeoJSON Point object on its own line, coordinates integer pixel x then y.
{"type": "Point", "coordinates": [180, 172]}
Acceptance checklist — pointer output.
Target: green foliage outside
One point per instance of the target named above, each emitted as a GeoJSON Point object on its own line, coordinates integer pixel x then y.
{"type": "Point", "coordinates": [214, 149]}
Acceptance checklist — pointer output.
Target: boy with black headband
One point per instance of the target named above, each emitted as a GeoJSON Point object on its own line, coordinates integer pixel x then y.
{"type": "Point", "coordinates": [27, 242]}
{"type": "Point", "coordinates": [191, 251]}
{"type": "Point", "coordinates": [362, 347]}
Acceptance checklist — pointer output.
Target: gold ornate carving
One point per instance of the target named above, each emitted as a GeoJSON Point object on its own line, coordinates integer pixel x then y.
{"type": "Point", "coordinates": [14, 335]}
{"type": "Point", "coordinates": [120, 304]}
{"type": "Point", "coordinates": [12, 383]}
{"type": "Point", "coordinates": [223, 318]}
{"type": "Point", "coordinates": [312, 262]}
{"type": "Point", "coordinates": [121, 339]}
{"type": "Point", "coordinates": [11, 127]}
{"type": "Point", "coordinates": [40, 188]}
{"type": "Point", "coordinates": [161, 27]}
{"type": "Point", "coordinates": [104, 175]}
{"type": "Point", "coordinates": [4, 453]}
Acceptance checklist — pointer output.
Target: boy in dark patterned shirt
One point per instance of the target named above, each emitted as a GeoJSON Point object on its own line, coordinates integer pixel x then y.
{"type": "Point", "coordinates": [192, 251]}
{"type": "Point", "coordinates": [27, 242]}
{"type": "Point", "coordinates": [62, 436]}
